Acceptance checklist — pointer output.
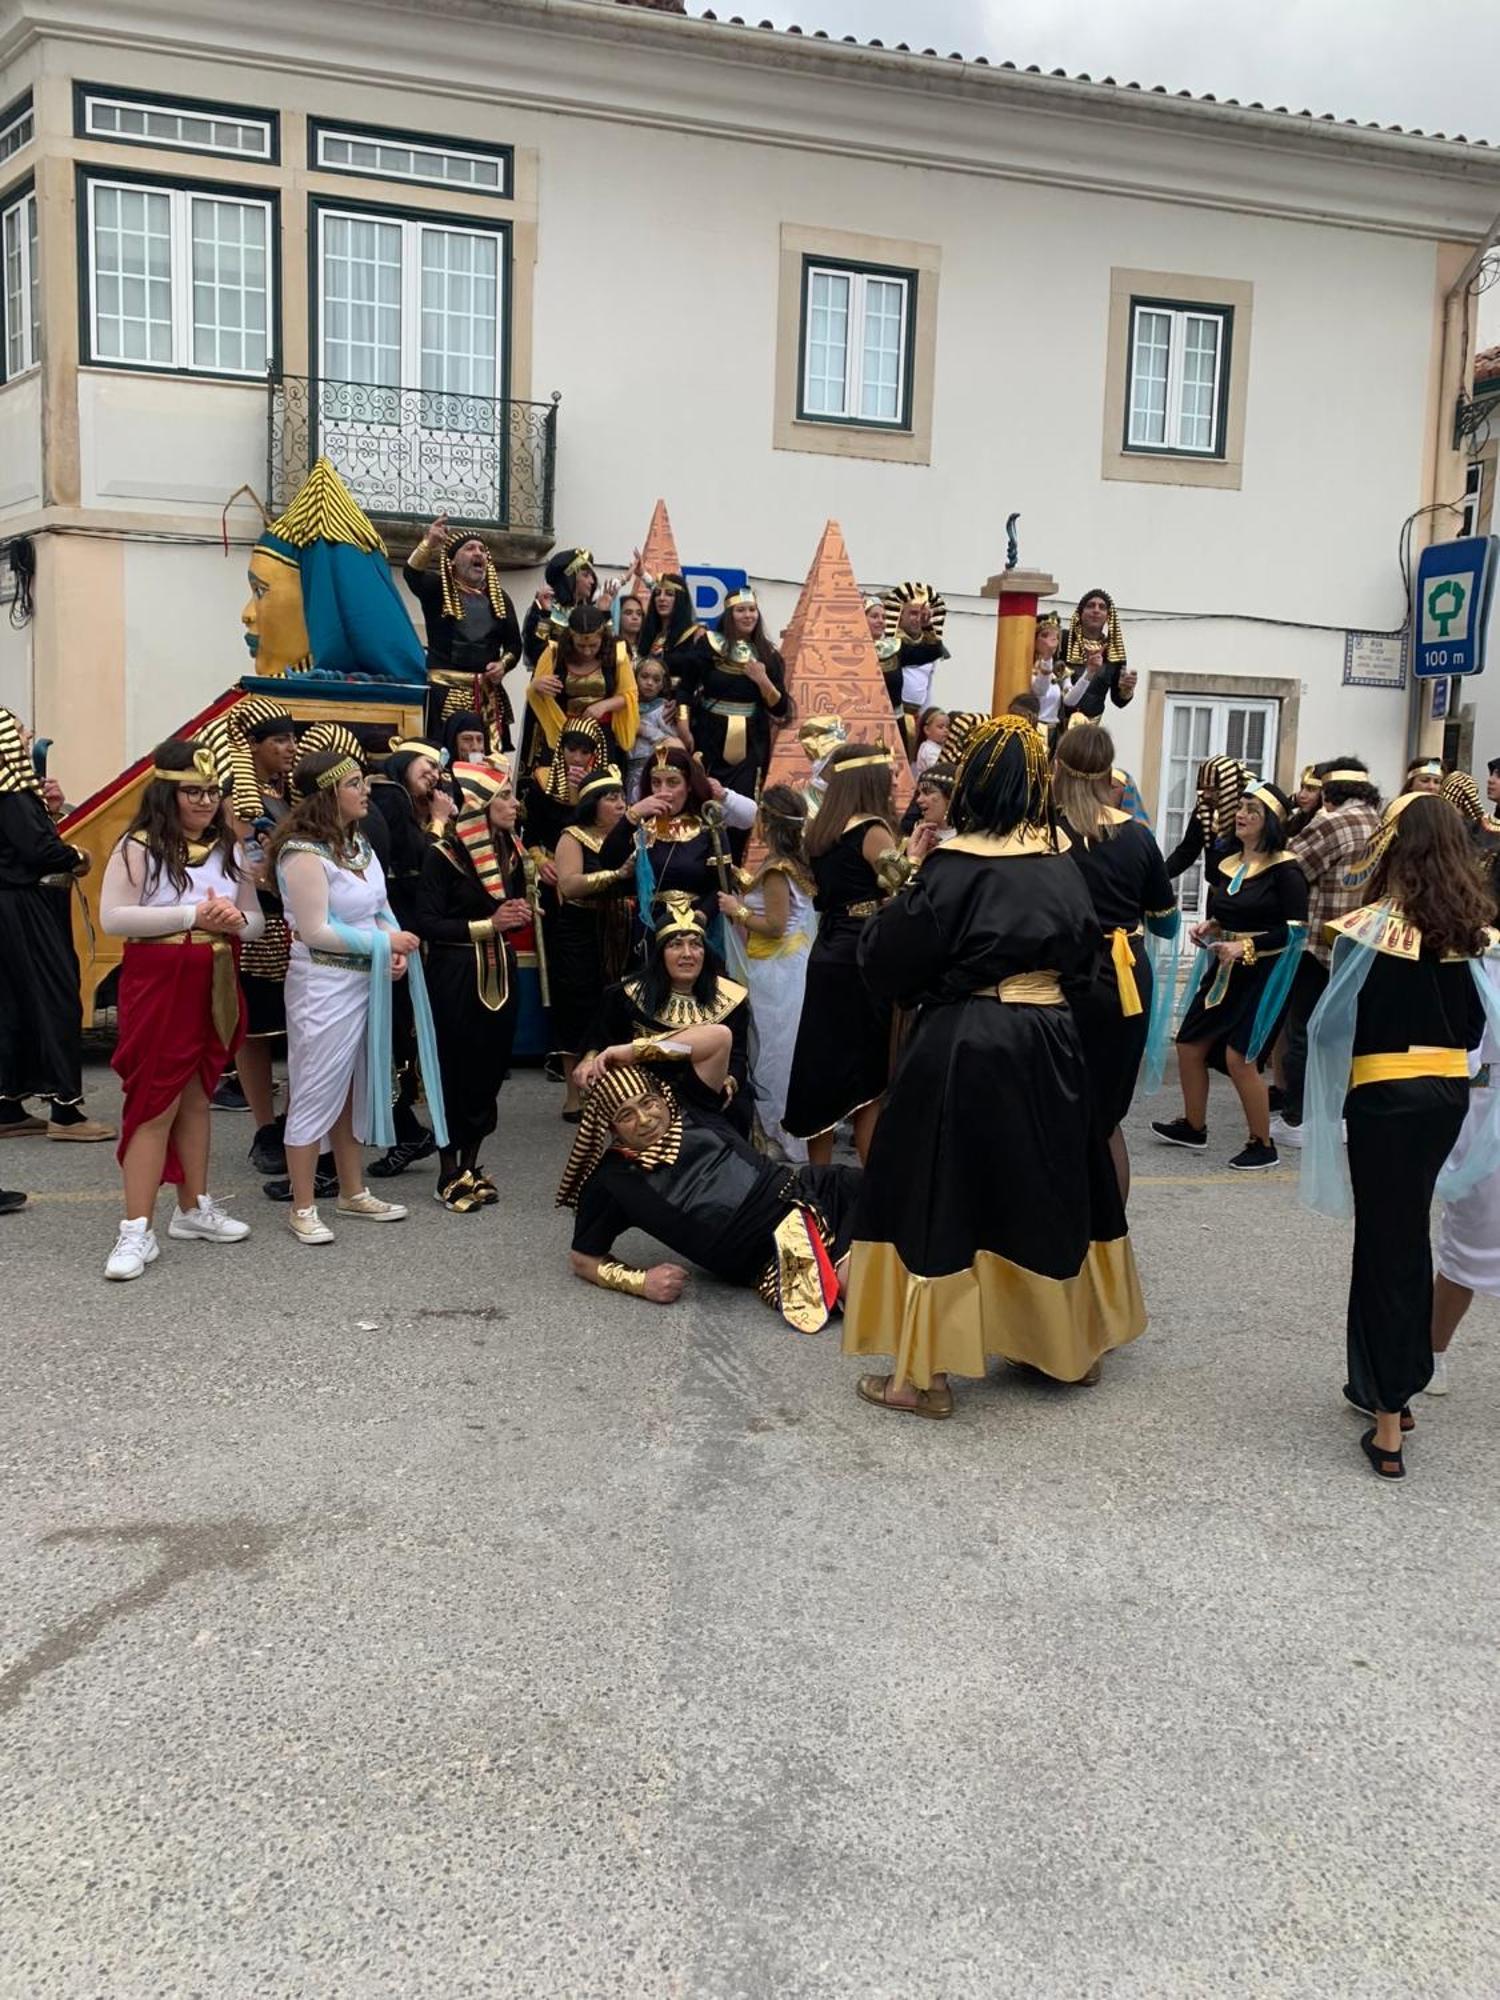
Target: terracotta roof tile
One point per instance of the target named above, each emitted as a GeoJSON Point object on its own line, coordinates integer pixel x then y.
{"type": "Point", "coordinates": [1487, 365]}
{"type": "Point", "coordinates": [1096, 83]}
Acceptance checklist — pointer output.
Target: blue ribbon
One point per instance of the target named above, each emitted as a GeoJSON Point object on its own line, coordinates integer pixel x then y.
{"type": "Point", "coordinates": [1273, 996]}
{"type": "Point", "coordinates": [375, 945]}
{"type": "Point", "coordinates": [1164, 937]}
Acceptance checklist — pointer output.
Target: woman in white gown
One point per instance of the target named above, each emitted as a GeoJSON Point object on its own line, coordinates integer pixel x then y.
{"type": "Point", "coordinates": [346, 949]}
{"type": "Point", "coordinates": [777, 920]}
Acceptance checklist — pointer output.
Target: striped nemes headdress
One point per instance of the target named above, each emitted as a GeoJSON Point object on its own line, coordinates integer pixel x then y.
{"type": "Point", "coordinates": [595, 1135]}
{"type": "Point", "coordinates": [230, 737]}
{"type": "Point", "coordinates": [896, 601]}
{"type": "Point", "coordinates": [17, 771]}
{"type": "Point", "coordinates": [452, 595]}
{"type": "Point", "coordinates": [470, 826]}
{"type": "Point", "coordinates": [1114, 638]}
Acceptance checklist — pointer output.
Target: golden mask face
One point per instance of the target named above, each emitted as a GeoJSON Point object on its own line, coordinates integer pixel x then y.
{"type": "Point", "coordinates": [274, 622]}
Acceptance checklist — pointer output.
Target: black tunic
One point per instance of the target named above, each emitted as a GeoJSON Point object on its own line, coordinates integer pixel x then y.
{"type": "Point", "coordinates": [1262, 908]}
{"type": "Point", "coordinates": [406, 847]}
{"type": "Point", "coordinates": [843, 1053]}
{"type": "Point", "coordinates": [1399, 1135]}
{"type": "Point", "coordinates": [718, 1203]}
{"type": "Point", "coordinates": [681, 857]}
{"type": "Point", "coordinates": [474, 1041]}
{"type": "Point", "coordinates": [1126, 878]}
{"type": "Point", "coordinates": [622, 1017]}
{"type": "Point", "coordinates": [990, 1220]}
{"type": "Point", "coordinates": [731, 722]}
{"type": "Point", "coordinates": [588, 941]}
{"type": "Point", "coordinates": [41, 1009]}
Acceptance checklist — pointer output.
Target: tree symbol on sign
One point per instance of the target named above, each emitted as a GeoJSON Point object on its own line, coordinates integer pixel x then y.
{"type": "Point", "coordinates": [1455, 594]}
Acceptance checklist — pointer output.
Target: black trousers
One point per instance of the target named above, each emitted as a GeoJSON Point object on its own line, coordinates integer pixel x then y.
{"type": "Point", "coordinates": [1399, 1136]}
{"type": "Point", "coordinates": [1309, 982]}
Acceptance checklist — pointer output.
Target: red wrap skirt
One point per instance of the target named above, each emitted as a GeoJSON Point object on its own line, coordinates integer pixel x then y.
{"type": "Point", "coordinates": [177, 1003]}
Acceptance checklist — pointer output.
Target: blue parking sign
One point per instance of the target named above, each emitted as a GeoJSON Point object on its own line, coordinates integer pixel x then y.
{"type": "Point", "coordinates": [710, 587]}
{"type": "Point", "coordinates": [1455, 595]}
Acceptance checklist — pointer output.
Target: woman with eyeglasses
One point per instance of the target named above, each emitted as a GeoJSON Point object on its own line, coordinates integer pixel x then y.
{"type": "Point", "coordinates": [347, 948]}
{"type": "Point", "coordinates": [178, 891]}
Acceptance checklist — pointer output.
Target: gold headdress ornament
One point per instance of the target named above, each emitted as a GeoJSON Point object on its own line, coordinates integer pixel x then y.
{"type": "Point", "coordinates": [336, 738]}
{"type": "Point", "coordinates": [821, 735]}
{"type": "Point", "coordinates": [202, 771]}
{"type": "Point", "coordinates": [1267, 800]}
{"type": "Point", "coordinates": [228, 736]}
{"type": "Point", "coordinates": [17, 771]}
{"type": "Point", "coordinates": [1309, 781]}
{"type": "Point", "coordinates": [881, 757]}
{"type": "Point", "coordinates": [982, 751]}
{"type": "Point", "coordinates": [608, 780]}
{"type": "Point", "coordinates": [346, 767]}
{"type": "Point", "coordinates": [1049, 618]}
{"type": "Point", "coordinates": [745, 596]}
{"type": "Point", "coordinates": [582, 559]}
{"type": "Point", "coordinates": [671, 583]}
{"type": "Point", "coordinates": [1461, 792]}
{"type": "Point", "coordinates": [615, 1089]}
{"type": "Point", "coordinates": [1347, 776]}
{"type": "Point", "coordinates": [1425, 767]}
{"type": "Point", "coordinates": [677, 917]}
{"type": "Point", "coordinates": [414, 746]}
{"type": "Point", "coordinates": [452, 595]}
{"type": "Point", "coordinates": [1114, 640]}
{"type": "Point", "coordinates": [1359, 872]}
{"type": "Point", "coordinates": [1225, 780]}
{"type": "Point", "coordinates": [895, 602]}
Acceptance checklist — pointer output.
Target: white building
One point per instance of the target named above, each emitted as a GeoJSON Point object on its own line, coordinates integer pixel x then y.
{"type": "Point", "coordinates": [1207, 351]}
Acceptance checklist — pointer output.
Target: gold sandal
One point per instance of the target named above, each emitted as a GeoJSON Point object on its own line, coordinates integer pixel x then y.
{"type": "Point", "coordinates": [936, 1403]}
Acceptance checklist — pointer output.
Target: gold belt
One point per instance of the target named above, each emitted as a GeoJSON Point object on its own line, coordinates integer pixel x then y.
{"type": "Point", "coordinates": [339, 960]}
{"type": "Point", "coordinates": [1025, 989]}
{"type": "Point", "coordinates": [224, 989]}
{"type": "Point", "coordinates": [736, 715]}
{"type": "Point", "coordinates": [1402, 1063]}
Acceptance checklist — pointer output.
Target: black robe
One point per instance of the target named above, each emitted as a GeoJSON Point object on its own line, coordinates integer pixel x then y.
{"type": "Point", "coordinates": [41, 1008]}
{"type": "Point", "coordinates": [588, 941]}
{"type": "Point", "coordinates": [1223, 1009]}
{"type": "Point", "coordinates": [1126, 878]}
{"type": "Point", "coordinates": [731, 723]}
{"type": "Point", "coordinates": [455, 651]}
{"type": "Point", "coordinates": [843, 1053]}
{"type": "Point", "coordinates": [623, 1017]}
{"type": "Point", "coordinates": [474, 1040]}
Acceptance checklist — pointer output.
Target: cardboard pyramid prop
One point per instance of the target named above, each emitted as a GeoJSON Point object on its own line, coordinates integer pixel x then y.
{"type": "Point", "coordinates": [659, 550]}
{"type": "Point", "coordinates": [831, 669]}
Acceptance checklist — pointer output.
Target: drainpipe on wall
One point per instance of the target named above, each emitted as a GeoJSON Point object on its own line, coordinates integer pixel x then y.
{"type": "Point", "coordinates": [1455, 379]}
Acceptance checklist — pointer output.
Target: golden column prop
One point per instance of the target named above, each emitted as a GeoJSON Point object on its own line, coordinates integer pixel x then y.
{"type": "Point", "coordinates": [1018, 592]}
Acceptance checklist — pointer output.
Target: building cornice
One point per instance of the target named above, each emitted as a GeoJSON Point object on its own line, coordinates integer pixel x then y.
{"type": "Point", "coordinates": [625, 65]}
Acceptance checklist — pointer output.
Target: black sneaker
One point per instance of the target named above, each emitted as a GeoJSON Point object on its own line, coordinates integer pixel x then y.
{"type": "Point", "coordinates": [1178, 1132]}
{"type": "Point", "coordinates": [11, 1199]}
{"type": "Point", "coordinates": [229, 1096]}
{"type": "Point", "coordinates": [325, 1182]}
{"type": "Point", "coordinates": [267, 1153]}
{"type": "Point", "coordinates": [399, 1158]}
{"type": "Point", "coordinates": [1257, 1156]}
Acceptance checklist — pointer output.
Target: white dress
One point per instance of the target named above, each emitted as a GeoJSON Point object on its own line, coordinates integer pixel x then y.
{"type": "Point", "coordinates": [777, 972]}
{"type": "Point", "coordinates": [1468, 1238]}
{"type": "Point", "coordinates": [328, 1002]}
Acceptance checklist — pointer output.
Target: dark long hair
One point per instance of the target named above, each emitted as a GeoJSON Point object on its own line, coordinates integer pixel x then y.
{"type": "Point", "coordinates": [764, 651]}
{"type": "Point", "coordinates": [680, 622]}
{"type": "Point", "coordinates": [1272, 837]}
{"type": "Point", "coordinates": [582, 620]}
{"type": "Point", "coordinates": [678, 759]}
{"type": "Point", "coordinates": [863, 794]}
{"type": "Point", "coordinates": [315, 816]}
{"type": "Point", "coordinates": [157, 818]}
{"type": "Point", "coordinates": [656, 981]}
{"type": "Point", "coordinates": [1432, 874]}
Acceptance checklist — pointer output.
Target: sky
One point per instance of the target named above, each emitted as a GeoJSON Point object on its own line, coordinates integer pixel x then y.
{"type": "Point", "coordinates": [1435, 65]}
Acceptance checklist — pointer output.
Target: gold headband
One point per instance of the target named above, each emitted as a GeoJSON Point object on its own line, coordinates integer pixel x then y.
{"type": "Point", "coordinates": [582, 559]}
{"type": "Point", "coordinates": [1430, 767]}
{"type": "Point", "coordinates": [346, 767]}
{"type": "Point", "coordinates": [669, 583]}
{"type": "Point", "coordinates": [414, 746]}
{"type": "Point", "coordinates": [1309, 781]}
{"type": "Point", "coordinates": [1266, 797]}
{"type": "Point", "coordinates": [1342, 778]}
{"type": "Point", "coordinates": [607, 781]}
{"type": "Point", "coordinates": [746, 596]}
{"type": "Point", "coordinates": [860, 763]}
{"type": "Point", "coordinates": [202, 771]}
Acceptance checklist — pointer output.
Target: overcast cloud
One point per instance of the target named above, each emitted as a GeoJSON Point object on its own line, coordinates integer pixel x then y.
{"type": "Point", "coordinates": [1435, 65]}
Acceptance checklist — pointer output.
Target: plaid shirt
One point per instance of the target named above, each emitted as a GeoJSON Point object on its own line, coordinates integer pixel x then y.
{"type": "Point", "coordinates": [1327, 847]}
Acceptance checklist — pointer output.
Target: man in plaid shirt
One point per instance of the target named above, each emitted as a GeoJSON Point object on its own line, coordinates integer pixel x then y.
{"type": "Point", "coordinates": [1327, 848]}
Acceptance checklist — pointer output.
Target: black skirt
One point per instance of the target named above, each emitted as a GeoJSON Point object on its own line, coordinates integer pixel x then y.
{"type": "Point", "coordinates": [41, 1012]}
{"type": "Point", "coordinates": [474, 1043]}
{"type": "Point", "coordinates": [843, 1054]}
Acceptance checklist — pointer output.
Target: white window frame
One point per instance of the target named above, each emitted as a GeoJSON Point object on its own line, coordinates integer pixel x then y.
{"type": "Point", "coordinates": [411, 227]}
{"type": "Point", "coordinates": [161, 107]}
{"type": "Point", "coordinates": [405, 142]}
{"type": "Point", "coordinates": [19, 129]}
{"type": "Point", "coordinates": [182, 199]}
{"type": "Point", "coordinates": [24, 208]}
{"type": "Point", "coordinates": [1221, 702]}
{"type": "Point", "coordinates": [1178, 316]}
{"type": "Point", "coordinates": [854, 351]}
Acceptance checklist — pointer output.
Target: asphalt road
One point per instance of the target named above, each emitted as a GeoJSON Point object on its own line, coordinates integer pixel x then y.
{"type": "Point", "coordinates": [404, 1618]}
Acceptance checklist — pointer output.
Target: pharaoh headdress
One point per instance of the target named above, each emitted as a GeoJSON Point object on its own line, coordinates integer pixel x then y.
{"type": "Point", "coordinates": [1225, 780]}
{"type": "Point", "coordinates": [470, 826]}
{"type": "Point", "coordinates": [557, 771]}
{"type": "Point", "coordinates": [1114, 639]}
{"type": "Point", "coordinates": [230, 737]}
{"type": "Point", "coordinates": [595, 1136]}
{"type": "Point", "coordinates": [895, 602]}
{"type": "Point", "coordinates": [1003, 780]}
{"type": "Point", "coordinates": [1461, 792]}
{"type": "Point", "coordinates": [452, 593]}
{"type": "Point", "coordinates": [17, 771]}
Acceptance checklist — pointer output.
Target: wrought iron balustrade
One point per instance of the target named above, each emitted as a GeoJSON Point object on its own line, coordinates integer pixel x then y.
{"type": "Point", "coordinates": [410, 454]}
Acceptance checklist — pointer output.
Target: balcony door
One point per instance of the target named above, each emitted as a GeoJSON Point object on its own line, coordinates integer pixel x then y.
{"type": "Point", "coordinates": [411, 317]}
{"type": "Point", "coordinates": [1199, 726]}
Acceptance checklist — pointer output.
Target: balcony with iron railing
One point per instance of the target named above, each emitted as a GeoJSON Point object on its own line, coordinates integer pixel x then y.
{"type": "Point", "coordinates": [410, 454]}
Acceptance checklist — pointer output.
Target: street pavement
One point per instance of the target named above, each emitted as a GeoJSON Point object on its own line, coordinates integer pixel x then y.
{"type": "Point", "coordinates": [406, 1618]}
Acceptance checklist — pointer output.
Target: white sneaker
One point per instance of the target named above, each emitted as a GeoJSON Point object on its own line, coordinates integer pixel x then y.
{"type": "Point", "coordinates": [135, 1247]}
{"type": "Point", "coordinates": [1284, 1134]}
{"type": "Point", "coordinates": [207, 1223]}
{"type": "Point", "coordinates": [1438, 1386]}
{"type": "Point", "coordinates": [308, 1226]}
{"type": "Point", "coordinates": [371, 1207]}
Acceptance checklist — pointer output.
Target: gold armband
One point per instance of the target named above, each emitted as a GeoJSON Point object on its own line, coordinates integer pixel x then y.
{"type": "Point", "coordinates": [420, 556]}
{"type": "Point", "coordinates": [894, 870]}
{"type": "Point", "coordinates": [1249, 953]}
{"type": "Point", "coordinates": [615, 1277]}
{"type": "Point", "coordinates": [481, 930]}
{"type": "Point", "coordinates": [651, 1048]}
